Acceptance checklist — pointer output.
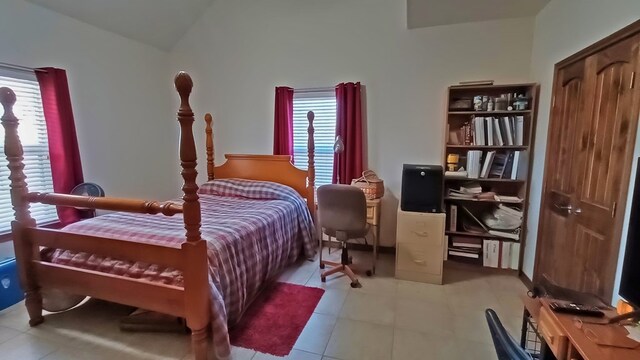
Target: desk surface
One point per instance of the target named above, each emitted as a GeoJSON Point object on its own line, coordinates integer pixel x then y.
{"type": "Point", "coordinates": [586, 347]}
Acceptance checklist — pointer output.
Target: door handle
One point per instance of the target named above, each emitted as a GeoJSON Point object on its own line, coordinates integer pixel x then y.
{"type": "Point", "coordinates": [577, 211]}
{"type": "Point", "coordinates": [566, 208]}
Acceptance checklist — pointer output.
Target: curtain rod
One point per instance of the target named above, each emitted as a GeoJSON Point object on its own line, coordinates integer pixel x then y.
{"type": "Point", "coordinates": [21, 68]}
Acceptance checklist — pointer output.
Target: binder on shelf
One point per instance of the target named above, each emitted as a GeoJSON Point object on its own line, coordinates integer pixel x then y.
{"type": "Point", "coordinates": [520, 130]}
{"type": "Point", "coordinates": [515, 256]}
{"type": "Point", "coordinates": [489, 127]}
{"type": "Point", "coordinates": [488, 160]}
{"type": "Point", "coordinates": [520, 164]}
{"type": "Point", "coordinates": [491, 253]}
{"type": "Point", "coordinates": [505, 255]}
{"type": "Point", "coordinates": [498, 132]}
{"type": "Point", "coordinates": [508, 166]}
{"type": "Point", "coordinates": [506, 130]}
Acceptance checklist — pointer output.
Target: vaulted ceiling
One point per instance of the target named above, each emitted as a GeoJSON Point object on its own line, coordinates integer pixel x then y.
{"type": "Point", "coordinates": [425, 13]}
{"type": "Point", "coordinates": [160, 23]}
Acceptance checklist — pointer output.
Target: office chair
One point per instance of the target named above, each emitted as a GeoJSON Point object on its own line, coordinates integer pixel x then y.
{"type": "Point", "coordinates": [342, 213]}
{"type": "Point", "coordinates": [506, 347]}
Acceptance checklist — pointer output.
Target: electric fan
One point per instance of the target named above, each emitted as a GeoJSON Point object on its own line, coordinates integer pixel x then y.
{"type": "Point", "coordinates": [54, 300]}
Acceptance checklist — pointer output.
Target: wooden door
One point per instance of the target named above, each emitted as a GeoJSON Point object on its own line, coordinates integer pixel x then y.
{"type": "Point", "coordinates": [591, 139]}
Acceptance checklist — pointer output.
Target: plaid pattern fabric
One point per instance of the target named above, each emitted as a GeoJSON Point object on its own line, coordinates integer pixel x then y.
{"type": "Point", "coordinates": [253, 230]}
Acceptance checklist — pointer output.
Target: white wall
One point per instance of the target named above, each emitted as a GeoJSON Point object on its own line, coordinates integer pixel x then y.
{"type": "Point", "coordinates": [121, 92]}
{"type": "Point", "coordinates": [562, 28]}
{"type": "Point", "coordinates": [241, 49]}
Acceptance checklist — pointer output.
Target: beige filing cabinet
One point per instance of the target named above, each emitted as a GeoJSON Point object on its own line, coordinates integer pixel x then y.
{"type": "Point", "coordinates": [420, 246]}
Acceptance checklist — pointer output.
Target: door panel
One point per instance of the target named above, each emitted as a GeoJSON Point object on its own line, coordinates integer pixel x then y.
{"type": "Point", "coordinates": [592, 132]}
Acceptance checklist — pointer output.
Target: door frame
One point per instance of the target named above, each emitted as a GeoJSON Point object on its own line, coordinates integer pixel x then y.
{"type": "Point", "coordinates": [629, 31]}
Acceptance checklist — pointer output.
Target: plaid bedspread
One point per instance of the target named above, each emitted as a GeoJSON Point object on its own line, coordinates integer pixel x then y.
{"type": "Point", "coordinates": [253, 230]}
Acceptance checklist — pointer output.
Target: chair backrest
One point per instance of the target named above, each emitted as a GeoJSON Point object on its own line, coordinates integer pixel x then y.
{"type": "Point", "coordinates": [506, 347]}
{"type": "Point", "coordinates": [342, 208]}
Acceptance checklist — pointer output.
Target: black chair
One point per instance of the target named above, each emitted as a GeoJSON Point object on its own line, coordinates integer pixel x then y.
{"type": "Point", "coordinates": [506, 347]}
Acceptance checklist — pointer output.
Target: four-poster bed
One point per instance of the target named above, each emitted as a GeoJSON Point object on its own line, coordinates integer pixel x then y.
{"type": "Point", "coordinates": [198, 251]}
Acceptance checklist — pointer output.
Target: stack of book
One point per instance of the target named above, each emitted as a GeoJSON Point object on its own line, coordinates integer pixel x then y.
{"type": "Point", "coordinates": [465, 247]}
{"type": "Point", "coordinates": [500, 254]}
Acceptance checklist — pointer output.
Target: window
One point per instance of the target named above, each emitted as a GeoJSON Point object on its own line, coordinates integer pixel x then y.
{"type": "Point", "coordinates": [323, 105]}
{"type": "Point", "coordinates": [33, 135]}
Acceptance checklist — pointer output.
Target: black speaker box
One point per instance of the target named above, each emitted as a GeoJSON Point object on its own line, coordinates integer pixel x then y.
{"type": "Point", "coordinates": [421, 188]}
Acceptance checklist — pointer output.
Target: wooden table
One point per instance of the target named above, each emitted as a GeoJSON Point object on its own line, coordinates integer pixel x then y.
{"type": "Point", "coordinates": [568, 342]}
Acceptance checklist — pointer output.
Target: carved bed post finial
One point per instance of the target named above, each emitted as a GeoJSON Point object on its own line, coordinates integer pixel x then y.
{"type": "Point", "coordinates": [15, 158]}
{"type": "Point", "coordinates": [311, 148]}
{"type": "Point", "coordinates": [195, 250]}
{"type": "Point", "coordinates": [210, 149]}
{"type": "Point", "coordinates": [188, 158]}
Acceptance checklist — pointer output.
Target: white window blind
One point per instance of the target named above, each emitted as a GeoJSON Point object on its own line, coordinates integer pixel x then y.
{"type": "Point", "coordinates": [323, 105]}
{"type": "Point", "coordinates": [33, 135]}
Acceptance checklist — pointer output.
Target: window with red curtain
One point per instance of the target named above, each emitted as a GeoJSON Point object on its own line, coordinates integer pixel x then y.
{"type": "Point", "coordinates": [66, 167]}
{"type": "Point", "coordinates": [348, 165]}
{"type": "Point", "coordinates": [283, 122]}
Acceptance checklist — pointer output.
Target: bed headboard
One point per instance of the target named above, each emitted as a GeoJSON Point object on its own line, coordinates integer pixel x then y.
{"type": "Point", "coordinates": [275, 168]}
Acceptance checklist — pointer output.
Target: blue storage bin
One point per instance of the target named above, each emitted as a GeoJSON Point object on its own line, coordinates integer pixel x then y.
{"type": "Point", "coordinates": [10, 290]}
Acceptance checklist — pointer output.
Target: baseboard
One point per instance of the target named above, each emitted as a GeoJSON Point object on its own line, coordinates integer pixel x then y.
{"type": "Point", "coordinates": [361, 247]}
{"type": "Point", "coordinates": [525, 279]}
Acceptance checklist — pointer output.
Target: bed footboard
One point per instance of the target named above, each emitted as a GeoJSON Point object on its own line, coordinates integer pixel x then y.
{"type": "Point", "coordinates": [190, 301]}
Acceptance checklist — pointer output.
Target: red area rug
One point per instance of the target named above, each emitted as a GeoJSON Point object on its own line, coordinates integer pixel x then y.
{"type": "Point", "coordinates": [276, 318]}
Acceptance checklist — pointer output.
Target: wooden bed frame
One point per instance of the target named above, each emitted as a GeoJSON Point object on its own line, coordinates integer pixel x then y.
{"type": "Point", "coordinates": [190, 301]}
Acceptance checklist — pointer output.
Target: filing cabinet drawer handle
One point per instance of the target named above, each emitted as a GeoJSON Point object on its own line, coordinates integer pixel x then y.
{"type": "Point", "coordinates": [421, 262]}
{"type": "Point", "coordinates": [421, 233]}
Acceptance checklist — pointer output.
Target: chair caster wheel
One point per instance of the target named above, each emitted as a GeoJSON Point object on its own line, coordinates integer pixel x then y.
{"type": "Point", "coordinates": [323, 278]}
{"type": "Point", "coordinates": [369, 272]}
{"type": "Point", "coordinates": [355, 284]}
{"type": "Point", "coordinates": [321, 266]}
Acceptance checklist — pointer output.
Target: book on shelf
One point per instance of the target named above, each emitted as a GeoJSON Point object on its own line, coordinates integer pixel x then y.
{"type": "Point", "coordinates": [456, 174]}
{"type": "Point", "coordinates": [490, 253]}
{"type": "Point", "coordinates": [479, 131]}
{"type": "Point", "coordinates": [508, 166]}
{"type": "Point", "coordinates": [488, 160]}
{"type": "Point", "coordinates": [515, 235]}
{"type": "Point", "coordinates": [510, 211]}
{"type": "Point", "coordinates": [457, 252]}
{"type": "Point", "coordinates": [453, 217]}
{"type": "Point", "coordinates": [466, 242]}
{"type": "Point", "coordinates": [508, 199]}
{"type": "Point", "coordinates": [500, 254]}
{"type": "Point", "coordinates": [446, 248]}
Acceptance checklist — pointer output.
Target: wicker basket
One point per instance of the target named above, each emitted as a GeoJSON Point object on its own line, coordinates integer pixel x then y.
{"type": "Point", "coordinates": [371, 185]}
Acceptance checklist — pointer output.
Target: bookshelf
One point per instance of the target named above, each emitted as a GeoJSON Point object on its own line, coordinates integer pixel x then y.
{"type": "Point", "coordinates": [484, 138]}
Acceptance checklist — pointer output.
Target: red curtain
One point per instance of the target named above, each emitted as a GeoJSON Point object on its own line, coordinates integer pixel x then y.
{"type": "Point", "coordinates": [283, 126]}
{"type": "Point", "coordinates": [66, 168]}
{"type": "Point", "coordinates": [349, 164]}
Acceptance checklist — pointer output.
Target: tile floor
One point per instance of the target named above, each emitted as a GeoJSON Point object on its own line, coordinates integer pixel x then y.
{"type": "Point", "coordinates": [385, 319]}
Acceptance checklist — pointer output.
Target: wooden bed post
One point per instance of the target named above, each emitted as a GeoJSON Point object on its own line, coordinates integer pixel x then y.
{"type": "Point", "coordinates": [25, 251]}
{"type": "Point", "coordinates": [196, 279]}
{"type": "Point", "coordinates": [311, 148]}
{"type": "Point", "coordinates": [208, 119]}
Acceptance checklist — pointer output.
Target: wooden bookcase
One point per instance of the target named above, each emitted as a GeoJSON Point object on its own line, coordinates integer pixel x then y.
{"type": "Point", "coordinates": [456, 118]}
